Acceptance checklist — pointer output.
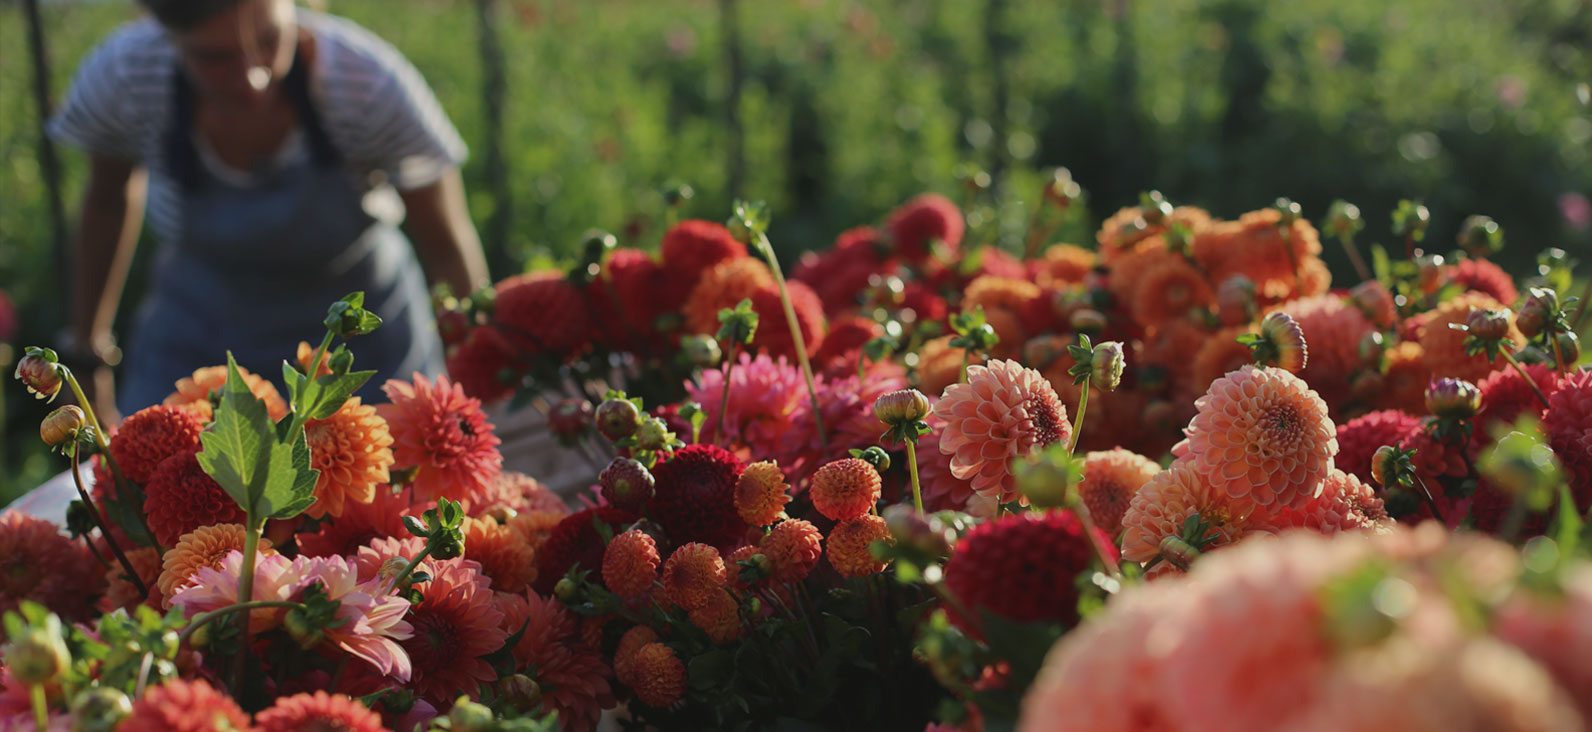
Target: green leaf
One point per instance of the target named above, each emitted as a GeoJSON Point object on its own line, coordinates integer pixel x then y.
{"type": "Point", "coordinates": [1567, 525]}
{"type": "Point", "coordinates": [1381, 265]}
{"type": "Point", "coordinates": [334, 390]}
{"type": "Point", "coordinates": [266, 476]}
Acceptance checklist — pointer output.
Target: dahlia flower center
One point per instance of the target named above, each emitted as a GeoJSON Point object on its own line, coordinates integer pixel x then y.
{"type": "Point", "coordinates": [1281, 429]}
{"type": "Point", "coordinates": [438, 639]}
{"type": "Point", "coordinates": [1046, 417]}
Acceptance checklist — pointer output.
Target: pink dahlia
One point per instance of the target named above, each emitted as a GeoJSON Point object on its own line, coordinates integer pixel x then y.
{"type": "Point", "coordinates": [847, 406]}
{"type": "Point", "coordinates": [1556, 630]}
{"type": "Point", "coordinates": [212, 588]}
{"type": "Point", "coordinates": [1263, 437]}
{"type": "Point", "coordinates": [571, 674]}
{"type": "Point", "coordinates": [1003, 411]}
{"type": "Point", "coordinates": [943, 491]}
{"type": "Point", "coordinates": [1110, 478]}
{"type": "Point", "coordinates": [1481, 275]}
{"type": "Point", "coordinates": [1162, 508]}
{"type": "Point", "coordinates": [370, 622]}
{"type": "Point", "coordinates": [1361, 437]}
{"type": "Point", "coordinates": [456, 625]}
{"type": "Point", "coordinates": [375, 559]}
{"type": "Point", "coordinates": [443, 433]}
{"type": "Point", "coordinates": [1344, 504]}
{"type": "Point", "coordinates": [39, 563]}
{"type": "Point", "coordinates": [1505, 396]}
{"type": "Point", "coordinates": [765, 394]}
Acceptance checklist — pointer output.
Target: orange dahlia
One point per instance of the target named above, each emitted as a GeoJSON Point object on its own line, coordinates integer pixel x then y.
{"type": "Point", "coordinates": [850, 542]}
{"type": "Point", "coordinates": [1168, 347]}
{"type": "Point", "coordinates": [184, 706]}
{"type": "Point", "coordinates": [193, 392]}
{"type": "Point", "coordinates": [181, 497]}
{"type": "Point", "coordinates": [630, 564]}
{"type": "Point", "coordinates": [1344, 504]}
{"type": "Point", "coordinates": [1257, 247]}
{"type": "Point", "coordinates": [1169, 288]}
{"type": "Point", "coordinates": [443, 433]}
{"type": "Point", "coordinates": [1220, 355]}
{"type": "Point", "coordinates": [1003, 300]}
{"type": "Point", "coordinates": [1260, 435]}
{"type": "Point", "coordinates": [361, 522]}
{"type": "Point", "coordinates": [505, 555]}
{"type": "Point", "coordinates": [205, 546]}
{"type": "Point", "coordinates": [656, 675]}
{"type": "Point", "coordinates": [692, 574]}
{"type": "Point", "coordinates": [1123, 280]}
{"type": "Point", "coordinates": [571, 672]}
{"type": "Point", "coordinates": [1162, 508]}
{"type": "Point", "coordinates": [318, 711]}
{"type": "Point", "coordinates": [150, 436]}
{"type": "Point", "coordinates": [456, 625]}
{"type": "Point", "coordinates": [629, 643]}
{"type": "Point", "coordinates": [1445, 347]}
{"type": "Point", "coordinates": [39, 563]}
{"type": "Point", "coordinates": [761, 493]}
{"type": "Point", "coordinates": [1128, 228]}
{"type": "Point", "coordinates": [1110, 478]}
{"type": "Point", "coordinates": [1065, 264]}
{"type": "Point", "coordinates": [1405, 377]}
{"type": "Point", "coordinates": [845, 489]}
{"type": "Point", "coordinates": [792, 547]}
{"type": "Point", "coordinates": [719, 617]}
{"type": "Point", "coordinates": [353, 450]}
{"type": "Point", "coordinates": [1375, 302]}
{"type": "Point", "coordinates": [1004, 411]}
{"type": "Point", "coordinates": [940, 364]}
{"type": "Point", "coordinates": [723, 286]}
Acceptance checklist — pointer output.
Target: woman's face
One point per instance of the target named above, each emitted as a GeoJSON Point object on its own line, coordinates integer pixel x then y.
{"type": "Point", "coordinates": [239, 55]}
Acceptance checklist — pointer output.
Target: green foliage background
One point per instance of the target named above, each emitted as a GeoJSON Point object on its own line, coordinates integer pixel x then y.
{"type": "Point", "coordinates": [851, 106]}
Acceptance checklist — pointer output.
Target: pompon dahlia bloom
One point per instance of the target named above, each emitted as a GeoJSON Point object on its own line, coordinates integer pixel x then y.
{"type": "Point", "coordinates": [1361, 437]}
{"type": "Point", "coordinates": [1375, 302]}
{"type": "Point", "coordinates": [719, 617]}
{"type": "Point", "coordinates": [1505, 396]}
{"type": "Point", "coordinates": [849, 546]}
{"type": "Point", "coordinates": [180, 497]}
{"type": "Point", "coordinates": [444, 433]}
{"type": "Point", "coordinates": [542, 313]}
{"type": "Point", "coordinates": [1260, 435]}
{"type": "Point", "coordinates": [479, 364]}
{"type": "Point", "coordinates": [574, 542]}
{"type": "Point", "coordinates": [693, 246]}
{"type": "Point", "coordinates": [184, 706]}
{"type": "Point", "coordinates": [765, 394]}
{"type": "Point", "coordinates": [1004, 411]}
{"type": "Point", "coordinates": [692, 574]}
{"type": "Point", "coordinates": [845, 489]}
{"type": "Point", "coordinates": [1110, 478]}
{"type": "Point", "coordinates": [352, 449]}
{"type": "Point", "coordinates": [629, 643]}
{"type": "Point", "coordinates": [146, 439]}
{"type": "Point", "coordinates": [793, 547]}
{"type": "Point", "coordinates": [216, 587]}
{"type": "Point", "coordinates": [723, 286]}
{"type": "Point", "coordinates": [318, 711]}
{"type": "Point", "coordinates": [1064, 264]}
{"type": "Point", "coordinates": [121, 593]}
{"type": "Point", "coordinates": [694, 496]}
{"type": "Point", "coordinates": [625, 294]}
{"type": "Point", "coordinates": [847, 406]}
{"type": "Point", "coordinates": [773, 328]}
{"type": "Point", "coordinates": [917, 224]}
{"type": "Point", "coordinates": [455, 624]}
{"type": "Point", "coordinates": [1344, 504]}
{"type": "Point", "coordinates": [656, 675]}
{"type": "Point", "coordinates": [193, 392]}
{"type": "Point", "coordinates": [205, 546]}
{"type": "Point", "coordinates": [1480, 275]}
{"type": "Point", "coordinates": [39, 563]}
{"type": "Point", "coordinates": [505, 555]}
{"type": "Point", "coordinates": [1021, 567]}
{"type": "Point", "coordinates": [1445, 347]}
{"type": "Point", "coordinates": [1334, 330]}
{"type": "Point", "coordinates": [761, 493]}
{"type": "Point", "coordinates": [943, 491]}
{"type": "Point", "coordinates": [630, 564]}
{"type": "Point", "coordinates": [840, 274]}
{"type": "Point", "coordinates": [1162, 507]}
{"type": "Point", "coordinates": [1170, 288]}
{"type": "Point", "coordinates": [1405, 377]}
{"type": "Point", "coordinates": [370, 622]}
{"type": "Point", "coordinates": [1568, 424]}
{"type": "Point", "coordinates": [571, 673]}
{"type": "Point", "coordinates": [362, 522]}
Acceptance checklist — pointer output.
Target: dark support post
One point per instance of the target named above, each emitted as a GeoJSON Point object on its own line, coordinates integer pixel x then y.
{"type": "Point", "coordinates": [49, 164]}
{"type": "Point", "coordinates": [729, 28]}
{"type": "Point", "coordinates": [494, 89]}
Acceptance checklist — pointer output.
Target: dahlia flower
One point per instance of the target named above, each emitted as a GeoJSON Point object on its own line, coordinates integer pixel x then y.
{"type": "Point", "coordinates": [184, 706]}
{"type": "Point", "coordinates": [151, 435]}
{"type": "Point", "coordinates": [997, 568]}
{"type": "Point", "coordinates": [40, 564]}
{"type": "Point", "coordinates": [571, 673]}
{"type": "Point", "coordinates": [443, 433]}
{"type": "Point", "coordinates": [1110, 479]}
{"type": "Point", "coordinates": [1261, 436]}
{"type": "Point", "coordinates": [193, 392]}
{"type": "Point", "coordinates": [318, 711]}
{"type": "Point", "coordinates": [455, 625]}
{"type": "Point", "coordinates": [352, 451]}
{"type": "Point", "coordinates": [370, 622]}
{"type": "Point", "coordinates": [1004, 411]}
{"type": "Point", "coordinates": [212, 588]}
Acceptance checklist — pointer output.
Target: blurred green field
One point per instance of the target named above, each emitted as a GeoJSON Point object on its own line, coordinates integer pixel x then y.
{"type": "Point", "coordinates": [851, 106]}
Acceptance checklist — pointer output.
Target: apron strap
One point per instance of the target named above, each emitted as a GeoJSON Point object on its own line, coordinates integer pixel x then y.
{"type": "Point", "coordinates": [183, 156]}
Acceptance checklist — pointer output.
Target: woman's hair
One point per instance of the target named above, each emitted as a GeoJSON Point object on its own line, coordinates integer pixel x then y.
{"type": "Point", "coordinates": [185, 14]}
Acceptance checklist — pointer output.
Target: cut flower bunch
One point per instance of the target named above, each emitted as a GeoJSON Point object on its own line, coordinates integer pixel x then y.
{"type": "Point", "coordinates": [1174, 480]}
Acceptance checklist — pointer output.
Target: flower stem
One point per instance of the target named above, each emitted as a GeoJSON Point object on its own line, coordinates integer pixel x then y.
{"type": "Point", "coordinates": [41, 706]}
{"type": "Point", "coordinates": [724, 400]}
{"type": "Point", "coordinates": [104, 446]}
{"type": "Point", "coordinates": [1077, 429]}
{"type": "Point", "coordinates": [1354, 258]}
{"type": "Point", "coordinates": [397, 581]}
{"type": "Point", "coordinates": [251, 544]}
{"type": "Point", "coordinates": [94, 511]}
{"type": "Point", "coordinates": [204, 618]}
{"type": "Point", "coordinates": [1431, 502]}
{"type": "Point", "coordinates": [795, 335]}
{"type": "Point", "coordinates": [963, 378]}
{"type": "Point", "coordinates": [1558, 355]}
{"type": "Point", "coordinates": [1527, 377]}
{"type": "Point", "coordinates": [912, 469]}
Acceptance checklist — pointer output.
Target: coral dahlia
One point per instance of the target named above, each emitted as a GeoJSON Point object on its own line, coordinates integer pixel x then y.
{"type": "Point", "coordinates": [849, 546]}
{"type": "Point", "coordinates": [193, 392]}
{"type": "Point", "coordinates": [1260, 435]}
{"type": "Point", "coordinates": [352, 449]}
{"type": "Point", "coordinates": [656, 675]}
{"type": "Point", "coordinates": [184, 706]}
{"type": "Point", "coordinates": [456, 624]}
{"type": "Point", "coordinates": [542, 313]}
{"type": "Point", "coordinates": [922, 221]}
{"type": "Point", "coordinates": [205, 546]}
{"type": "Point", "coordinates": [39, 563]}
{"type": "Point", "coordinates": [1361, 437]}
{"type": "Point", "coordinates": [793, 547]}
{"type": "Point", "coordinates": [845, 488]}
{"type": "Point", "coordinates": [1004, 411]}
{"type": "Point", "coordinates": [692, 574]}
{"type": "Point", "coordinates": [1110, 478]}
{"type": "Point", "coordinates": [761, 493]}
{"type": "Point", "coordinates": [443, 433]}
{"type": "Point", "coordinates": [318, 711]}
{"type": "Point", "coordinates": [630, 564]}
{"type": "Point", "coordinates": [1568, 424]}
{"type": "Point", "coordinates": [570, 672]}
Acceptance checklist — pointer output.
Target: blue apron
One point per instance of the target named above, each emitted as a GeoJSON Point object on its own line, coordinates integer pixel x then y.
{"type": "Point", "coordinates": [255, 267]}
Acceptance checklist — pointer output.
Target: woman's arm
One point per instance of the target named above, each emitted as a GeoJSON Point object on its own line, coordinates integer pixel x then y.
{"type": "Point", "coordinates": [445, 238]}
{"type": "Point", "coordinates": [113, 213]}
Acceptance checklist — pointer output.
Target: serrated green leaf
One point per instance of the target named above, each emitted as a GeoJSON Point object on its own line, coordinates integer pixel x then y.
{"type": "Point", "coordinates": [334, 390]}
{"type": "Point", "coordinates": [267, 476]}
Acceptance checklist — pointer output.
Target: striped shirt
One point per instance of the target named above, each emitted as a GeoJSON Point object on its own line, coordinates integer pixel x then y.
{"type": "Point", "coordinates": [377, 109]}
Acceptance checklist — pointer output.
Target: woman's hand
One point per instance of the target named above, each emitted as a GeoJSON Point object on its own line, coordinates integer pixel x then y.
{"type": "Point", "coordinates": [445, 239]}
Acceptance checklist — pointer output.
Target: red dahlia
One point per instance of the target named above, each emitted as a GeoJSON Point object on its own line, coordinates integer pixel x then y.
{"type": "Point", "coordinates": [575, 542]}
{"type": "Point", "coordinates": [695, 496]}
{"type": "Point", "coordinates": [483, 363]}
{"type": "Point", "coordinates": [1569, 427]}
{"type": "Point", "coordinates": [1505, 396]}
{"type": "Point", "coordinates": [773, 329]}
{"type": "Point", "coordinates": [923, 220]}
{"type": "Point", "coordinates": [1021, 567]}
{"type": "Point", "coordinates": [692, 247]}
{"type": "Point", "coordinates": [1359, 438]}
{"type": "Point", "coordinates": [542, 313]}
{"type": "Point", "coordinates": [840, 275]}
{"type": "Point", "coordinates": [626, 299]}
{"type": "Point", "coordinates": [181, 497]}
{"type": "Point", "coordinates": [150, 436]}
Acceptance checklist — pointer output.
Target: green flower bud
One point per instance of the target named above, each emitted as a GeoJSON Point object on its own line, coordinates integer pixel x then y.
{"type": "Point", "coordinates": [617, 418]}
{"type": "Point", "coordinates": [1108, 363]}
{"type": "Point", "coordinates": [37, 655]}
{"type": "Point", "coordinates": [1343, 219]}
{"type": "Point", "coordinates": [520, 692]}
{"type": "Point", "coordinates": [1480, 236]}
{"type": "Point", "coordinates": [39, 371]}
{"type": "Point", "coordinates": [905, 405]}
{"type": "Point", "coordinates": [468, 716]}
{"type": "Point", "coordinates": [62, 425]}
{"type": "Point", "coordinates": [701, 351]}
{"type": "Point", "coordinates": [1453, 399]}
{"type": "Point", "coordinates": [99, 709]}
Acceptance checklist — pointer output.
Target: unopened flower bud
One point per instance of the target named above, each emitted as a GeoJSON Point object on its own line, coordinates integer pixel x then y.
{"type": "Point", "coordinates": [1343, 219]}
{"type": "Point", "coordinates": [1569, 347]}
{"type": "Point", "coordinates": [676, 194]}
{"type": "Point", "coordinates": [520, 692]}
{"type": "Point", "coordinates": [1087, 320]}
{"type": "Point", "coordinates": [1453, 398]}
{"type": "Point", "coordinates": [1044, 481]}
{"type": "Point", "coordinates": [627, 484]}
{"type": "Point", "coordinates": [569, 418]}
{"type": "Point", "coordinates": [1177, 552]}
{"type": "Point", "coordinates": [1282, 343]}
{"type": "Point", "coordinates": [1429, 273]}
{"type": "Point", "coordinates": [99, 709]}
{"type": "Point", "coordinates": [972, 177]}
{"type": "Point", "coordinates": [1375, 301]}
{"type": "Point", "coordinates": [654, 434]}
{"type": "Point", "coordinates": [902, 406]}
{"type": "Point", "coordinates": [1373, 346]}
{"type": "Point", "coordinates": [468, 716]}
{"type": "Point", "coordinates": [1235, 300]}
{"type": "Point", "coordinates": [566, 590]}
{"type": "Point", "coordinates": [1539, 309]}
{"type": "Point", "coordinates": [923, 535]}
{"type": "Point", "coordinates": [1288, 210]}
{"type": "Point", "coordinates": [701, 351]}
{"type": "Point", "coordinates": [1491, 325]}
{"type": "Point", "coordinates": [62, 425]}
{"type": "Point", "coordinates": [1108, 364]}
{"type": "Point", "coordinates": [302, 630]}
{"type": "Point", "coordinates": [1410, 220]}
{"type": "Point", "coordinates": [1480, 236]}
{"type": "Point", "coordinates": [37, 655]}
{"type": "Point", "coordinates": [1384, 466]}
{"type": "Point", "coordinates": [40, 372]}
{"type": "Point", "coordinates": [1153, 207]}
{"type": "Point", "coordinates": [617, 418]}
{"type": "Point", "coordinates": [1062, 190]}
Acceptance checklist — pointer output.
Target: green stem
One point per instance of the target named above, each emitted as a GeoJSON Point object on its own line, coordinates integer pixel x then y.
{"type": "Point", "coordinates": [724, 401]}
{"type": "Point", "coordinates": [795, 336]}
{"type": "Point", "coordinates": [398, 580]}
{"type": "Point", "coordinates": [116, 549]}
{"type": "Point", "coordinates": [1558, 355]}
{"type": "Point", "coordinates": [1431, 501]}
{"type": "Point", "coordinates": [41, 706]}
{"type": "Point", "coordinates": [963, 378]}
{"type": "Point", "coordinates": [251, 545]}
{"type": "Point", "coordinates": [1527, 377]}
{"type": "Point", "coordinates": [912, 469]}
{"type": "Point", "coordinates": [1354, 258]}
{"type": "Point", "coordinates": [1077, 429]}
{"type": "Point", "coordinates": [204, 618]}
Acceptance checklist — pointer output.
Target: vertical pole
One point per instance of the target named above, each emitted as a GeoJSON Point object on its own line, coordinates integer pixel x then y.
{"type": "Point", "coordinates": [729, 29]}
{"type": "Point", "coordinates": [49, 164]}
{"type": "Point", "coordinates": [494, 89]}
